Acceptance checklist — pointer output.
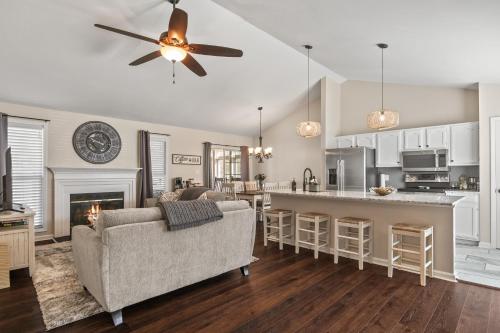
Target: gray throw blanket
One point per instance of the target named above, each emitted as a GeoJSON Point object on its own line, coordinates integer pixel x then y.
{"type": "Point", "coordinates": [187, 214]}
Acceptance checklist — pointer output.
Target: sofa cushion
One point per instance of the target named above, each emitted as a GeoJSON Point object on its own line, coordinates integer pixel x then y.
{"type": "Point", "coordinates": [111, 218]}
{"type": "Point", "coordinates": [192, 193]}
{"type": "Point", "coordinates": [229, 206]}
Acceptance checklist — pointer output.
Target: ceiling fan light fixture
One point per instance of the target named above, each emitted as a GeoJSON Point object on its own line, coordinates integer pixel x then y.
{"type": "Point", "coordinates": [173, 53]}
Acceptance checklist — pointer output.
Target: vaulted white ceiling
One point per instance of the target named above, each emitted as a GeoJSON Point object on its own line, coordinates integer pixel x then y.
{"type": "Point", "coordinates": [52, 56]}
{"type": "Point", "coordinates": [445, 42]}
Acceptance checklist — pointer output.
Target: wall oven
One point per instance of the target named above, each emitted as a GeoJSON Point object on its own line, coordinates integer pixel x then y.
{"type": "Point", "coordinates": [425, 160]}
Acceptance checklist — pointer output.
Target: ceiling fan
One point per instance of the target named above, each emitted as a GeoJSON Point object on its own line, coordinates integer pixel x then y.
{"type": "Point", "coordinates": [174, 45]}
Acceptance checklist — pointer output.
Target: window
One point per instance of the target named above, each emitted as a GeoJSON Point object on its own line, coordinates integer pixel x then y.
{"type": "Point", "coordinates": [159, 163]}
{"type": "Point", "coordinates": [226, 163]}
{"type": "Point", "coordinates": [27, 139]}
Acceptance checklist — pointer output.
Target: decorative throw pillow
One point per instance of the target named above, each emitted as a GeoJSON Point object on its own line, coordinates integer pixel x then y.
{"type": "Point", "coordinates": [203, 196]}
{"type": "Point", "coordinates": [168, 196]}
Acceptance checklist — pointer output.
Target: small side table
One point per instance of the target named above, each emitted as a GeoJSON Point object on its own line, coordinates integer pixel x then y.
{"type": "Point", "coordinates": [20, 239]}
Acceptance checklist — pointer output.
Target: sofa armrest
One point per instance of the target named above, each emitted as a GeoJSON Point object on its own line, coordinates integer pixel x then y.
{"type": "Point", "coordinates": [91, 262]}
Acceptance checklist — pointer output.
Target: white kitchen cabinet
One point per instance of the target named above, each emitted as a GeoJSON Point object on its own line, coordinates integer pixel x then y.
{"type": "Point", "coordinates": [437, 137]}
{"type": "Point", "coordinates": [464, 144]}
{"type": "Point", "coordinates": [413, 138]}
{"type": "Point", "coordinates": [466, 215]}
{"type": "Point", "coordinates": [389, 145]}
{"type": "Point", "coordinates": [347, 141]}
{"type": "Point", "coordinates": [366, 140]}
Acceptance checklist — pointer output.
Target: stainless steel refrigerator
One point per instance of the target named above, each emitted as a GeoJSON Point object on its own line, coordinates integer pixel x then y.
{"type": "Point", "coordinates": [350, 169]}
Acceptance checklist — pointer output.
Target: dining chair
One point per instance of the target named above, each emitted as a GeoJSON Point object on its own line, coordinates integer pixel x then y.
{"type": "Point", "coordinates": [251, 186]}
{"type": "Point", "coordinates": [218, 184]}
{"type": "Point", "coordinates": [238, 186]}
{"type": "Point", "coordinates": [229, 190]}
{"type": "Point", "coordinates": [285, 185]}
{"type": "Point", "coordinates": [266, 199]}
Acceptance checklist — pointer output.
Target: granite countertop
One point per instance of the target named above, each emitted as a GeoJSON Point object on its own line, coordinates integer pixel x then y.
{"type": "Point", "coordinates": [427, 199]}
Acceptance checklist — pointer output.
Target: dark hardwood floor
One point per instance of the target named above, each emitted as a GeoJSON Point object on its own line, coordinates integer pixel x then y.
{"type": "Point", "coordinates": [286, 293]}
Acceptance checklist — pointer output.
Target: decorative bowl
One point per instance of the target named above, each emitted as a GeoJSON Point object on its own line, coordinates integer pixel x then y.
{"type": "Point", "coordinates": [383, 190]}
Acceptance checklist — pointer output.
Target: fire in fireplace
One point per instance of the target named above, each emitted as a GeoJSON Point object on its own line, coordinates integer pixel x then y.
{"type": "Point", "coordinates": [85, 207]}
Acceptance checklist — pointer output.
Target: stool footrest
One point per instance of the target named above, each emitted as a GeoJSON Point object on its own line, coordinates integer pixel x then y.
{"type": "Point", "coordinates": [277, 227]}
{"type": "Point", "coordinates": [321, 243]}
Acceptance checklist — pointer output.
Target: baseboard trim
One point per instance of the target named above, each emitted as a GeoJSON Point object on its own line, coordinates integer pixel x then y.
{"type": "Point", "coordinates": [485, 245]}
{"type": "Point", "coordinates": [39, 238]}
{"type": "Point", "coordinates": [376, 261]}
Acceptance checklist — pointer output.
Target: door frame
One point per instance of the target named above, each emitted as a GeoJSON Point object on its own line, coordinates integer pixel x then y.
{"type": "Point", "coordinates": [493, 182]}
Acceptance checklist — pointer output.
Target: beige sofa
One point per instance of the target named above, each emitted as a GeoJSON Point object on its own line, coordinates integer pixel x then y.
{"type": "Point", "coordinates": [131, 256]}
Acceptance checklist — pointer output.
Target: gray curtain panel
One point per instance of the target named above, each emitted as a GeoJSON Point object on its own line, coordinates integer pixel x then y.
{"type": "Point", "coordinates": [207, 164]}
{"type": "Point", "coordinates": [146, 178]}
{"type": "Point", "coordinates": [245, 167]}
{"type": "Point", "coordinates": [4, 144]}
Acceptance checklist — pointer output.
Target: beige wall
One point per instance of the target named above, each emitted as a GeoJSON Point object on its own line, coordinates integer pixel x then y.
{"type": "Point", "coordinates": [489, 106]}
{"type": "Point", "coordinates": [417, 105]}
{"type": "Point", "coordinates": [292, 154]}
{"type": "Point", "coordinates": [61, 154]}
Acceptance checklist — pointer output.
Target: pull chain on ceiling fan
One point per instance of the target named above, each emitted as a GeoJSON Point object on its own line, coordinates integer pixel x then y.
{"type": "Point", "coordinates": [174, 44]}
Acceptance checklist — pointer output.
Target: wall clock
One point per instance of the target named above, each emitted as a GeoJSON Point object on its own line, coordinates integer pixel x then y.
{"type": "Point", "coordinates": [97, 142]}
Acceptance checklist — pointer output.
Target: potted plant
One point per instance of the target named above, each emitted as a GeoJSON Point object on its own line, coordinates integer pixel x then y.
{"type": "Point", "coordinates": [260, 180]}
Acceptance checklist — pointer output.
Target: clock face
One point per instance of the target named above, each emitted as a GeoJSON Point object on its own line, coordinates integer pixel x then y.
{"type": "Point", "coordinates": [97, 142]}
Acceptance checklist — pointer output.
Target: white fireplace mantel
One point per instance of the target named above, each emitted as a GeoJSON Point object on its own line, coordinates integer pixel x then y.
{"type": "Point", "coordinates": [69, 181]}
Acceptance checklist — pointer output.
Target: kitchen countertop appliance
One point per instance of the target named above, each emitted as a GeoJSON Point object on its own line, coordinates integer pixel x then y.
{"type": "Point", "coordinates": [435, 160]}
{"type": "Point", "coordinates": [350, 169]}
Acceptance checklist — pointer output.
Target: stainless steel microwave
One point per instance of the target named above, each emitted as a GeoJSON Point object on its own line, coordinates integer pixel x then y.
{"type": "Point", "coordinates": [425, 160]}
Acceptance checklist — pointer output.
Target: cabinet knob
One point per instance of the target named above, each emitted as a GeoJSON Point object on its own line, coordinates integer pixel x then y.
{"type": "Point", "coordinates": [399, 162]}
{"type": "Point", "coordinates": [419, 146]}
{"type": "Point", "coordinates": [427, 145]}
{"type": "Point", "coordinates": [452, 161]}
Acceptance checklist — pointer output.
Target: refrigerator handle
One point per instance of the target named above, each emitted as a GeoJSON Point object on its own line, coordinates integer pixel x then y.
{"type": "Point", "coordinates": [337, 181]}
{"type": "Point", "coordinates": [342, 175]}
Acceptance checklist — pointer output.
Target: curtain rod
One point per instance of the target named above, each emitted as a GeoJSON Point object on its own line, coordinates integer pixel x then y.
{"type": "Point", "coordinates": [164, 134]}
{"type": "Point", "coordinates": [218, 144]}
{"type": "Point", "coordinates": [29, 118]}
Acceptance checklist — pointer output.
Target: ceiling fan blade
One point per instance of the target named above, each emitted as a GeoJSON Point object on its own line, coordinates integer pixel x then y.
{"type": "Point", "coordinates": [213, 50]}
{"type": "Point", "coordinates": [126, 33]}
{"type": "Point", "coordinates": [178, 24]}
{"type": "Point", "coordinates": [146, 58]}
{"type": "Point", "coordinates": [193, 65]}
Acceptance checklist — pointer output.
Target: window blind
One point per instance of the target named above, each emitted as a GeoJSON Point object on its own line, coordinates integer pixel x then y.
{"type": "Point", "coordinates": [159, 148]}
{"type": "Point", "coordinates": [28, 167]}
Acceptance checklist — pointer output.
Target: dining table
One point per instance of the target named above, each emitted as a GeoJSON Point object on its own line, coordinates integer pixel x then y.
{"type": "Point", "coordinates": [253, 197]}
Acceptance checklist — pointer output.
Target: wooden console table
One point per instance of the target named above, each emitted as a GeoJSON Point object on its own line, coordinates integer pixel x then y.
{"type": "Point", "coordinates": [20, 239]}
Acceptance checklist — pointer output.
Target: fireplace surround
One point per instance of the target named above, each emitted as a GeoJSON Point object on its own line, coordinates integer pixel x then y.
{"type": "Point", "coordinates": [68, 181]}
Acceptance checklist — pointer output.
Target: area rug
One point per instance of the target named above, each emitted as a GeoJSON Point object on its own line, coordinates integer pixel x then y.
{"type": "Point", "coordinates": [62, 298]}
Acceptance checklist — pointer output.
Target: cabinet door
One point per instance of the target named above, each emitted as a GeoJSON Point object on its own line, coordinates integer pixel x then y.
{"type": "Point", "coordinates": [388, 149]}
{"type": "Point", "coordinates": [437, 137]}
{"type": "Point", "coordinates": [366, 140]}
{"type": "Point", "coordinates": [413, 138]}
{"type": "Point", "coordinates": [466, 221]}
{"type": "Point", "coordinates": [464, 144]}
{"type": "Point", "coordinates": [345, 141]}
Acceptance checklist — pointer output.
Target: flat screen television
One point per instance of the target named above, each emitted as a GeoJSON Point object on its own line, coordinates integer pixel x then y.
{"type": "Point", "coordinates": [7, 202]}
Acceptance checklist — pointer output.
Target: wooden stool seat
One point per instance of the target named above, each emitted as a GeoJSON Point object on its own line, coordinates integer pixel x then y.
{"type": "Point", "coordinates": [411, 227]}
{"type": "Point", "coordinates": [416, 256]}
{"type": "Point", "coordinates": [274, 219]}
{"type": "Point", "coordinates": [357, 242]}
{"type": "Point", "coordinates": [277, 211]}
{"type": "Point", "coordinates": [317, 224]}
{"type": "Point", "coordinates": [313, 215]}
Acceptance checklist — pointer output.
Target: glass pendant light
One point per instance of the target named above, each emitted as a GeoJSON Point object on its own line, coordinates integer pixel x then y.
{"type": "Point", "coordinates": [308, 129]}
{"type": "Point", "coordinates": [384, 118]}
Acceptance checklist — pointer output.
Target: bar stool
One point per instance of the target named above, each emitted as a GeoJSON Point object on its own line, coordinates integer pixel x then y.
{"type": "Point", "coordinates": [317, 225]}
{"type": "Point", "coordinates": [416, 257]}
{"type": "Point", "coordinates": [355, 233]}
{"type": "Point", "coordinates": [274, 219]}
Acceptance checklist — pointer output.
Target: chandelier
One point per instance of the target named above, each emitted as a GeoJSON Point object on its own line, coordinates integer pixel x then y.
{"type": "Point", "coordinates": [259, 152]}
{"type": "Point", "coordinates": [308, 129]}
{"type": "Point", "coordinates": [384, 118]}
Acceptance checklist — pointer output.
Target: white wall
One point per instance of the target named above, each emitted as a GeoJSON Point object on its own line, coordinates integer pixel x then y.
{"type": "Point", "coordinates": [489, 106]}
{"type": "Point", "coordinates": [292, 154]}
{"type": "Point", "coordinates": [61, 153]}
{"type": "Point", "coordinates": [418, 106]}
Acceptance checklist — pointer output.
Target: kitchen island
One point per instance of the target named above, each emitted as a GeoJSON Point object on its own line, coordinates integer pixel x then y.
{"type": "Point", "coordinates": [433, 209]}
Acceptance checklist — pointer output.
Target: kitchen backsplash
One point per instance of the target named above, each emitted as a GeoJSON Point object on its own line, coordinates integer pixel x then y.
{"type": "Point", "coordinates": [396, 175]}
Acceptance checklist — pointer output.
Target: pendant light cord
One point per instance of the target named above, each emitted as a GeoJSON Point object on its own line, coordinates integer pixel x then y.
{"type": "Point", "coordinates": [382, 79]}
{"type": "Point", "coordinates": [308, 85]}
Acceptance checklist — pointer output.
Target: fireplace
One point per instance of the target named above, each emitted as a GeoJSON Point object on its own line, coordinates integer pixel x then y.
{"type": "Point", "coordinates": [84, 207]}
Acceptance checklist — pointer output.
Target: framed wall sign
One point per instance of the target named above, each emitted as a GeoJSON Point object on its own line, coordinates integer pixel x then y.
{"type": "Point", "coordinates": [186, 159]}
